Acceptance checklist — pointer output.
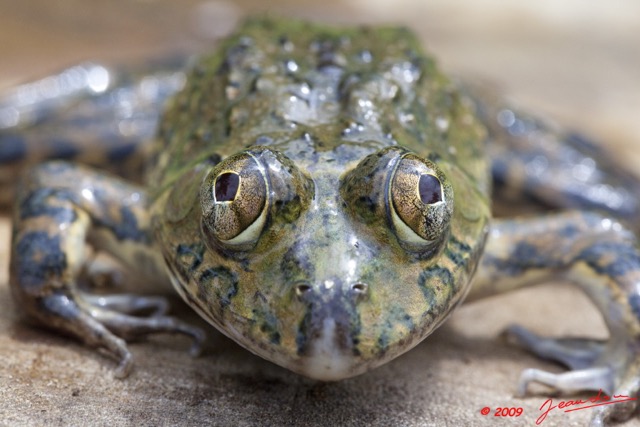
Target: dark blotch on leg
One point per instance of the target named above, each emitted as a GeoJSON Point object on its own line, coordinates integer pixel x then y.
{"type": "Point", "coordinates": [40, 259]}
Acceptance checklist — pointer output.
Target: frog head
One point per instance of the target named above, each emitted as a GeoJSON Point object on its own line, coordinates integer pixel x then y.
{"type": "Point", "coordinates": [326, 273]}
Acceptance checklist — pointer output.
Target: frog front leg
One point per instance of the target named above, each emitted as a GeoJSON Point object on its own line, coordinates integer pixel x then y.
{"type": "Point", "coordinates": [60, 208]}
{"type": "Point", "coordinates": [602, 258]}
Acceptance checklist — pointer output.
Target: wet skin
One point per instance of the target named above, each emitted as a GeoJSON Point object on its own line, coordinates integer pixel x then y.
{"type": "Point", "coordinates": [323, 197]}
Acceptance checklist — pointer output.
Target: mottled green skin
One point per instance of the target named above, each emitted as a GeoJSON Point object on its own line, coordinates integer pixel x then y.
{"type": "Point", "coordinates": [325, 99]}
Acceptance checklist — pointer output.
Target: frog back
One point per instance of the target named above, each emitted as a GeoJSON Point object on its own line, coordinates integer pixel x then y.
{"type": "Point", "coordinates": [318, 94]}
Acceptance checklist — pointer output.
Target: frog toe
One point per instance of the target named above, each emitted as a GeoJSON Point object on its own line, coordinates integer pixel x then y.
{"type": "Point", "coordinates": [618, 405]}
{"type": "Point", "coordinates": [131, 327]}
{"type": "Point", "coordinates": [611, 368]}
{"type": "Point", "coordinates": [580, 355]}
{"type": "Point", "coordinates": [63, 313]}
{"type": "Point", "coordinates": [130, 304]}
{"type": "Point", "coordinates": [101, 322]}
{"type": "Point", "coordinates": [575, 353]}
{"type": "Point", "coordinates": [596, 378]}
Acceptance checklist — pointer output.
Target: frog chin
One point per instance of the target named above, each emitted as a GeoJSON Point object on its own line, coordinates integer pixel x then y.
{"type": "Point", "coordinates": [326, 361]}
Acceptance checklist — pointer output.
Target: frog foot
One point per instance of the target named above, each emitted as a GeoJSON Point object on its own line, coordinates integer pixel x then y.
{"type": "Point", "coordinates": [608, 367]}
{"type": "Point", "coordinates": [107, 322]}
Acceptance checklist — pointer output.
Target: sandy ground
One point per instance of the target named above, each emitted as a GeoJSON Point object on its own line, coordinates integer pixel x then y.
{"type": "Point", "coordinates": [578, 63]}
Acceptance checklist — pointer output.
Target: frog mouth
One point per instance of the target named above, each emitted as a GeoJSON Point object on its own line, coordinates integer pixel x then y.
{"type": "Point", "coordinates": [325, 360]}
{"type": "Point", "coordinates": [328, 335]}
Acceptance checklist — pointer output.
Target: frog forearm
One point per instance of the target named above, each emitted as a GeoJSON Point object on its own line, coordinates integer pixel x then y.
{"type": "Point", "coordinates": [61, 207]}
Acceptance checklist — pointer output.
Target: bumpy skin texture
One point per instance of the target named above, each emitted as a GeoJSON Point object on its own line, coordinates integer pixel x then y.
{"type": "Point", "coordinates": [321, 196]}
{"type": "Point", "coordinates": [315, 292]}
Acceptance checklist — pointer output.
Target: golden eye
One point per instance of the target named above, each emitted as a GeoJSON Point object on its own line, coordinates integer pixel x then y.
{"type": "Point", "coordinates": [247, 191]}
{"type": "Point", "coordinates": [420, 204]}
{"type": "Point", "coordinates": [234, 200]}
{"type": "Point", "coordinates": [394, 190]}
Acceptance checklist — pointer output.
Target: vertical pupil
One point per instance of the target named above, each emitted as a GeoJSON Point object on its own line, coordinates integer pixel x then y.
{"type": "Point", "coordinates": [226, 187]}
{"type": "Point", "coordinates": [430, 189]}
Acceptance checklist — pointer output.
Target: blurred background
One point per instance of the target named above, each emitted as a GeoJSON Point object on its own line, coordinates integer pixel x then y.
{"type": "Point", "coordinates": [576, 61]}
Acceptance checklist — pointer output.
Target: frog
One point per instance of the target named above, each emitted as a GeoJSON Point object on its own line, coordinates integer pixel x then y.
{"type": "Point", "coordinates": [322, 196]}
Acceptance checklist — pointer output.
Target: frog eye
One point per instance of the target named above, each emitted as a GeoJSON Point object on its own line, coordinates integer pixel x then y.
{"type": "Point", "coordinates": [420, 208]}
{"type": "Point", "coordinates": [234, 200]}
{"type": "Point", "coordinates": [399, 190]}
{"type": "Point", "coordinates": [244, 192]}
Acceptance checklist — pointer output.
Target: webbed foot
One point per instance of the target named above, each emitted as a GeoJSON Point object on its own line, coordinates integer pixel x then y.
{"type": "Point", "coordinates": [606, 367]}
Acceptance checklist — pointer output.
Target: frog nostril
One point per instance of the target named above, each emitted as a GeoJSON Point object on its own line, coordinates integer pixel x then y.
{"type": "Point", "coordinates": [359, 287]}
{"type": "Point", "coordinates": [302, 289]}
{"type": "Point", "coordinates": [359, 290]}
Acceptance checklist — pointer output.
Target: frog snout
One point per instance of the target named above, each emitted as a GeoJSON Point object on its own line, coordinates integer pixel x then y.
{"type": "Point", "coordinates": [327, 337]}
